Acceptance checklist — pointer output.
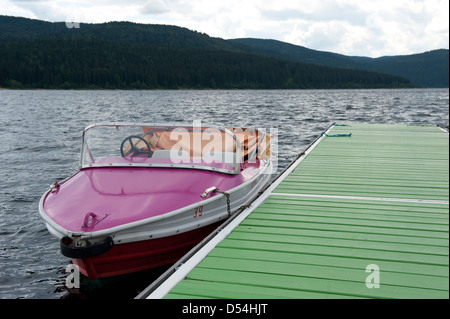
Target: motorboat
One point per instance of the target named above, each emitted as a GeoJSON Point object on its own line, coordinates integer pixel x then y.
{"type": "Point", "coordinates": [145, 194]}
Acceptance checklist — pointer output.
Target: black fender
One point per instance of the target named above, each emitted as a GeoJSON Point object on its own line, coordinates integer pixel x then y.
{"type": "Point", "coordinates": [71, 251]}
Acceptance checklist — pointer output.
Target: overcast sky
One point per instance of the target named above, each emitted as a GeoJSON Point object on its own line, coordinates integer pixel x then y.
{"type": "Point", "coordinates": [352, 27]}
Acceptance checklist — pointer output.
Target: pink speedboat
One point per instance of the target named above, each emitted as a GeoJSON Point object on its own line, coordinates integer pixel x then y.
{"type": "Point", "coordinates": [146, 194]}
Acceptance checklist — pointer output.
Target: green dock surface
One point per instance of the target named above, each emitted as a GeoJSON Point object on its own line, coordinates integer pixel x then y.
{"type": "Point", "coordinates": [361, 216]}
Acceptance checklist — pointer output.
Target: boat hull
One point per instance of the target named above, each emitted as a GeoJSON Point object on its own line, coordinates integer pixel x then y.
{"type": "Point", "coordinates": [141, 255]}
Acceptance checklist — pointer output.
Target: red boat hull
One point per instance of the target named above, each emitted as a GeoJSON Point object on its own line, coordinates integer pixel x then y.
{"type": "Point", "coordinates": [132, 257]}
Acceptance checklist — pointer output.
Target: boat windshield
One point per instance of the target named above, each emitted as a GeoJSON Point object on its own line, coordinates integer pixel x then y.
{"type": "Point", "coordinates": [152, 145]}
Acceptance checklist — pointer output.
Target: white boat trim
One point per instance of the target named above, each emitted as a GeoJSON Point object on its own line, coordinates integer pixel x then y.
{"type": "Point", "coordinates": [57, 229]}
{"type": "Point", "coordinates": [160, 165]}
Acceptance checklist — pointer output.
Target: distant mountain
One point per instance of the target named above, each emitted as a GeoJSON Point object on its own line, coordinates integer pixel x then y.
{"type": "Point", "coordinates": [430, 69]}
{"type": "Point", "coordinates": [23, 29]}
{"type": "Point", "coordinates": [39, 54]}
{"type": "Point", "coordinates": [71, 62]}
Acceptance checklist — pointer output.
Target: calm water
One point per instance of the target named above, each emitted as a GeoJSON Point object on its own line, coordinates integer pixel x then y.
{"type": "Point", "coordinates": [40, 133]}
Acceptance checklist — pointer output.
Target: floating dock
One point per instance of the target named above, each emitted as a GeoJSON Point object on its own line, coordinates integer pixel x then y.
{"type": "Point", "coordinates": [362, 213]}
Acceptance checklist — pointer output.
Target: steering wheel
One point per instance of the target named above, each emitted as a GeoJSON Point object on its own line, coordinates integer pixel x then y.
{"type": "Point", "coordinates": [133, 149]}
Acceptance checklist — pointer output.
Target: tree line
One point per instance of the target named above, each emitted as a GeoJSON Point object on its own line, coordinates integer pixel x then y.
{"type": "Point", "coordinates": [79, 63]}
{"type": "Point", "coordinates": [429, 69]}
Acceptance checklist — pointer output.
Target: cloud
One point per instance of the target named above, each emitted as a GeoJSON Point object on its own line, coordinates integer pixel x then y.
{"type": "Point", "coordinates": [154, 7]}
{"type": "Point", "coordinates": [371, 28]}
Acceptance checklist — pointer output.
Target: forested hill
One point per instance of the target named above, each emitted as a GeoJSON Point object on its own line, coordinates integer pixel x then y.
{"type": "Point", "coordinates": [38, 54]}
{"type": "Point", "coordinates": [23, 29]}
{"type": "Point", "coordinates": [430, 69]}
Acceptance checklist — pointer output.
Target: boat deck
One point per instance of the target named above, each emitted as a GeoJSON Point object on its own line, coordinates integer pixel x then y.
{"type": "Point", "coordinates": [362, 214]}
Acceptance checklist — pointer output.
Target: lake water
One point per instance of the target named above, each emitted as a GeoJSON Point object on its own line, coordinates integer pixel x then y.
{"type": "Point", "coordinates": [40, 133]}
